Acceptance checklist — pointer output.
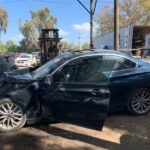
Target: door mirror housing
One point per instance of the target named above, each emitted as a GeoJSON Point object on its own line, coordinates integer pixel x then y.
{"type": "Point", "coordinates": [49, 80]}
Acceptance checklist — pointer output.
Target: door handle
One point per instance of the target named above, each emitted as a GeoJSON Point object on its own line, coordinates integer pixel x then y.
{"type": "Point", "coordinates": [95, 90]}
{"type": "Point", "coordinates": [98, 90]}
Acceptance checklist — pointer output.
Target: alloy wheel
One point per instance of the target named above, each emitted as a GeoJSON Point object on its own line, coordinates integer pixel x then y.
{"type": "Point", "coordinates": [11, 116]}
{"type": "Point", "coordinates": [141, 101]}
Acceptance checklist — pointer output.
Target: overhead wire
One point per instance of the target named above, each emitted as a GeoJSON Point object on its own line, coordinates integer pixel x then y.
{"type": "Point", "coordinates": [53, 1]}
{"type": "Point", "coordinates": [41, 1]}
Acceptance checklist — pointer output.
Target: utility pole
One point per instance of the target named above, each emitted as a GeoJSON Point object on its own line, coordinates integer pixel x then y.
{"type": "Point", "coordinates": [91, 23]}
{"type": "Point", "coordinates": [91, 12]}
{"type": "Point", "coordinates": [79, 42]}
{"type": "Point", "coordinates": [116, 25]}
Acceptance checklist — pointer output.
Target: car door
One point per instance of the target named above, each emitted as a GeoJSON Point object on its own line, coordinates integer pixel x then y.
{"type": "Point", "coordinates": [122, 81]}
{"type": "Point", "coordinates": [79, 93]}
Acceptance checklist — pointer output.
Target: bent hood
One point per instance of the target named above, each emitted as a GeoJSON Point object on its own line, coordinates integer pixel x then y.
{"type": "Point", "coordinates": [18, 76]}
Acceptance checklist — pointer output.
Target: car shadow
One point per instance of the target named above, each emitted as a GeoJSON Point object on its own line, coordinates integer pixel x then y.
{"type": "Point", "coordinates": [29, 141]}
{"type": "Point", "coordinates": [133, 138]}
{"type": "Point", "coordinates": [134, 125]}
{"type": "Point", "coordinates": [127, 142]}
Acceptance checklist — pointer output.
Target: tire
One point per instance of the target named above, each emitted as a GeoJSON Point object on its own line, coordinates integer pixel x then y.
{"type": "Point", "coordinates": [139, 102]}
{"type": "Point", "coordinates": [12, 116]}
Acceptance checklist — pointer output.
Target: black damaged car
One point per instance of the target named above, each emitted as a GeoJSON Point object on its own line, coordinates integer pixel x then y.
{"type": "Point", "coordinates": [76, 87]}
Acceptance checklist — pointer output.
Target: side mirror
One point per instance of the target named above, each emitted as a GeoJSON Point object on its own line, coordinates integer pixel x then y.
{"type": "Point", "coordinates": [49, 80]}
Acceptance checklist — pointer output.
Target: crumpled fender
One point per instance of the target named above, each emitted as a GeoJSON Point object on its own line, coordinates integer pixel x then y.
{"type": "Point", "coordinates": [22, 94]}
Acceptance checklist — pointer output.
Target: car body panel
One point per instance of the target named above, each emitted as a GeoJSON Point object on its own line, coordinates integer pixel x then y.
{"type": "Point", "coordinates": [123, 84]}
{"type": "Point", "coordinates": [75, 103]}
{"type": "Point", "coordinates": [85, 105]}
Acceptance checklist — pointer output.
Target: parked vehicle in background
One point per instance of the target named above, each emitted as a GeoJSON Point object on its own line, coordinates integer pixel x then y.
{"type": "Point", "coordinates": [37, 55]}
{"type": "Point", "coordinates": [25, 60]}
{"type": "Point", "coordinates": [77, 88]}
{"type": "Point", "coordinates": [7, 64]}
{"type": "Point", "coordinates": [16, 55]}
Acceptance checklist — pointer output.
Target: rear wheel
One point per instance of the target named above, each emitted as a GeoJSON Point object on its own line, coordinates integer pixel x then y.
{"type": "Point", "coordinates": [12, 116]}
{"type": "Point", "coordinates": [139, 102]}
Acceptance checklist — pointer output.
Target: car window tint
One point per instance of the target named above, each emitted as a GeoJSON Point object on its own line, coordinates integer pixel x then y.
{"type": "Point", "coordinates": [123, 64]}
{"type": "Point", "coordinates": [108, 63]}
{"type": "Point", "coordinates": [87, 70]}
{"type": "Point", "coordinates": [114, 63]}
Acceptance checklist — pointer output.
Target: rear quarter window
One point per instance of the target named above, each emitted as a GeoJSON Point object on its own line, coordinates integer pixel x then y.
{"type": "Point", "coordinates": [123, 64]}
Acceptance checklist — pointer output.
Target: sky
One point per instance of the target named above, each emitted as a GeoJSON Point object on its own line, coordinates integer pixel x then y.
{"type": "Point", "coordinates": [72, 18]}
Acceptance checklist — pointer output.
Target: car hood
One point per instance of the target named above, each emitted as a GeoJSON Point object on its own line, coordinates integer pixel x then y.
{"type": "Point", "coordinates": [23, 59]}
{"type": "Point", "coordinates": [18, 76]}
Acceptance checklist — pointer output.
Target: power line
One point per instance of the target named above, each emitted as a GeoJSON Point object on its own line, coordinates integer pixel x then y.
{"type": "Point", "coordinates": [49, 1]}
{"type": "Point", "coordinates": [41, 1]}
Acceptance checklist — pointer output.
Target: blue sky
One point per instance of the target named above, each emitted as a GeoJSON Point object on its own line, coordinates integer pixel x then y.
{"type": "Point", "coordinates": [72, 18]}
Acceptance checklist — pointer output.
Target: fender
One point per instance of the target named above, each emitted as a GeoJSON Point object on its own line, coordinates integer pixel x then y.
{"type": "Point", "coordinates": [20, 92]}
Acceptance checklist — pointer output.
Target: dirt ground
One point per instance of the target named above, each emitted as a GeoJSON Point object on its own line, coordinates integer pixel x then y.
{"type": "Point", "coordinates": [121, 132]}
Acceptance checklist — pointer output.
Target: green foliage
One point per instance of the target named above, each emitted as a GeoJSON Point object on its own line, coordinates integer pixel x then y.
{"type": "Point", "coordinates": [72, 46]}
{"type": "Point", "coordinates": [10, 46]}
{"type": "Point", "coordinates": [86, 46]}
{"type": "Point", "coordinates": [3, 20]}
{"type": "Point", "coordinates": [31, 28]}
{"type": "Point", "coordinates": [43, 19]}
{"type": "Point", "coordinates": [3, 49]}
{"type": "Point", "coordinates": [28, 31]}
{"type": "Point", "coordinates": [68, 45]}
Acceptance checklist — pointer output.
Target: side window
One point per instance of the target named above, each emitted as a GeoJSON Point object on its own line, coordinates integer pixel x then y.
{"type": "Point", "coordinates": [108, 63]}
{"type": "Point", "coordinates": [116, 63]}
{"type": "Point", "coordinates": [123, 64]}
{"type": "Point", "coordinates": [85, 70]}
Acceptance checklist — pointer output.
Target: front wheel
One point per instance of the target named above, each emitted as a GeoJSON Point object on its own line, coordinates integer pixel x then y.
{"type": "Point", "coordinates": [139, 102]}
{"type": "Point", "coordinates": [12, 116]}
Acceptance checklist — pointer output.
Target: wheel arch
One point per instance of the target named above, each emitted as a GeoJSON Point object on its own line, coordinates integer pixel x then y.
{"type": "Point", "coordinates": [130, 95]}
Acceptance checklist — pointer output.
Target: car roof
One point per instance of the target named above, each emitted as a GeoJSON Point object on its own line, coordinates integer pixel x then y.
{"type": "Point", "coordinates": [97, 51]}
{"type": "Point", "coordinates": [70, 54]}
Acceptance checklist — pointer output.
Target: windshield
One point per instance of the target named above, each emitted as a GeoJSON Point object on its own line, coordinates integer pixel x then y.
{"type": "Point", "coordinates": [50, 66]}
{"type": "Point", "coordinates": [25, 56]}
{"type": "Point", "coordinates": [46, 69]}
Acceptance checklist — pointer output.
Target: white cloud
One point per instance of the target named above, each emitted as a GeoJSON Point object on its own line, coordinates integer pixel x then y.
{"type": "Point", "coordinates": [63, 32]}
{"type": "Point", "coordinates": [84, 27]}
{"type": "Point", "coordinates": [17, 38]}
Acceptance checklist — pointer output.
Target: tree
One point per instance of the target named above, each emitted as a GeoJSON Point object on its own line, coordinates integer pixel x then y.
{"type": "Point", "coordinates": [132, 12]}
{"type": "Point", "coordinates": [11, 46]}
{"type": "Point", "coordinates": [28, 31]}
{"type": "Point", "coordinates": [69, 45]}
{"type": "Point", "coordinates": [3, 20]}
{"type": "Point", "coordinates": [31, 28]}
{"type": "Point", "coordinates": [135, 12]}
{"type": "Point", "coordinates": [43, 19]}
{"type": "Point", "coordinates": [3, 49]}
{"type": "Point", "coordinates": [105, 20]}
{"type": "Point", "coordinates": [85, 46]}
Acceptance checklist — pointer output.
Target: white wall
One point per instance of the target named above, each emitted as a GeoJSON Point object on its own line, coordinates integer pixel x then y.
{"type": "Point", "coordinates": [108, 39]}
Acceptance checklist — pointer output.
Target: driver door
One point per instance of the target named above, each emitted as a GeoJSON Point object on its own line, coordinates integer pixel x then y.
{"type": "Point", "coordinates": [79, 93]}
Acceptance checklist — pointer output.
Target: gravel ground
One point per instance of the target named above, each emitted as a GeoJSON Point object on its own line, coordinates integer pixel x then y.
{"type": "Point", "coordinates": [121, 132]}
